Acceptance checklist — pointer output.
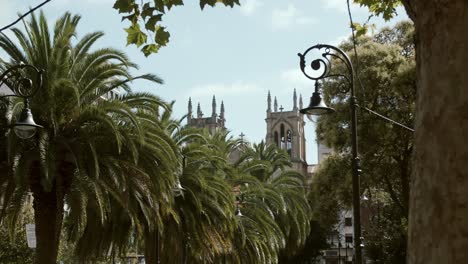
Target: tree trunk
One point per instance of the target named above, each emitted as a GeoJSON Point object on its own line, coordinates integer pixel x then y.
{"type": "Point", "coordinates": [438, 220]}
{"type": "Point", "coordinates": [48, 211]}
{"type": "Point", "coordinates": [48, 214]}
{"type": "Point", "coordinates": [151, 247]}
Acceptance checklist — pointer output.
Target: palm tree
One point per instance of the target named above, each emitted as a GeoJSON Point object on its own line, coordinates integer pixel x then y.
{"type": "Point", "coordinates": [145, 198]}
{"type": "Point", "coordinates": [89, 146]}
{"type": "Point", "coordinates": [274, 198]}
{"type": "Point", "coordinates": [257, 238]}
{"type": "Point", "coordinates": [203, 222]}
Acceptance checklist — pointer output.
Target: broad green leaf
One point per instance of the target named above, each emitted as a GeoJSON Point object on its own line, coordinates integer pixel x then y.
{"type": "Point", "coordinates": [135, 35]}
{"type": "Point", "coordinates": [132, 17]}
{"type": "Point", "coordinates": [151, 23]}
{"type": "Point", "coordinates": [150, 49]}
{"type": "Point", "coordinates": [212, 3]}
{"type": "Point", "coordinates": [159, 5]}
{"type": "Point", "coordinates": [124, 6]}
{"type": "Point", "coordinates": [385, 8]}
{"type": "Point", "coordinates": [170, 3]}
{"type": "Point", "coordinates": [359, 29]}
{"type": "Point", "coordinates": [147, 11]}
{"type": "Point", "coordinates": [203, 3]}
{"type": "Point", "coordinates": [162, 36]}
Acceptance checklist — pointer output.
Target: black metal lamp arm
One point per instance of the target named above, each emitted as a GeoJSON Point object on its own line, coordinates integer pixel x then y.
{"type": "Point", "coordinates": [20, 85]}
{"type": "Point", "coordinates": [326, 72]}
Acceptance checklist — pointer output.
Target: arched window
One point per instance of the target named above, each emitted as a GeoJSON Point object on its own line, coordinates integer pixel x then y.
{"type": "Point", "coordinates": [276, 139]}
{"type": "Point", "coordinates": [289, 142]}
{"type": "Point", "coordinates": [283, 139]}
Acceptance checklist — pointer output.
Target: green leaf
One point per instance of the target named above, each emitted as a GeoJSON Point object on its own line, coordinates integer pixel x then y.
{"type": "Point", "coordinates": [212, 3]}
{"type": "Point", "coordinates": [203, 3]}
{"type": "Point", "coordinates": [124, 6]}
{"type": "Point", "coordinates": [150, 49]}
{"type": "Point", "coordinates": [170, 3]}
{"type": "Point", "coordinates": [151, 23]}
{"type": "Point", "coordinates": [385, 8]}
{"type": "Point", "coordinates": [147, 11]}
{"type": "Point", "coordinates": [133, 17]}
{"type": "Point", "coordinates": [162, 36]}
{"type": "Point", "coordinates": [230, 3]}
{"type": "Point", "coordinates": [135, 35]}
{"type": "Point", "coordinates": [360, 30]}
{"type": "Point", "coordinates": [159, 5]}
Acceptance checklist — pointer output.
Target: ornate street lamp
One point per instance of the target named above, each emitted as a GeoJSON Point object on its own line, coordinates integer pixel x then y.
{"type": "Point", "coordinates": [14, 78]}
{"type": "Point", "coordinates": [322, 69]}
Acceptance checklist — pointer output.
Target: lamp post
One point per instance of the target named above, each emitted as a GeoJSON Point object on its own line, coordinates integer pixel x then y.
{"type": "Point", "coordinates": [322, 69]}
{"type": "Point", "coordinates": [21, 86]}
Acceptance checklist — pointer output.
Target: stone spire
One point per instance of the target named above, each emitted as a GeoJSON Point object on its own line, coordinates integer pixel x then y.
{"type": "Point", "coordinates": [189, 114]}
{"type": "Point", "coordinates": [213, 107]}
{"type": "Point", "coordinates": [275, 105]}
{"type": "Point", "coordinates": [199, 112]}
{"type": "Point", "coordinates": [300, 102]}
{"type": "Point", "coordinates": [269, 102]}
{"type": "Point", "coordinates": [294, 100]}
{"type": "Point", "coordinates": [222, 110]}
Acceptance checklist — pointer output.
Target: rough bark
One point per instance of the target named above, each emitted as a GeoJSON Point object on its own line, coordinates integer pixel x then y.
{"type": "Point", "coordinates": [48, 211]}
{"type": "Point", "coordinates": [151, 247]}
{"type": "Point", "coordinates": [48, 214]}
{"type": "Point", "coordinates": [405, 182]}
{"type": "Point", "coordinates": [438, 224]}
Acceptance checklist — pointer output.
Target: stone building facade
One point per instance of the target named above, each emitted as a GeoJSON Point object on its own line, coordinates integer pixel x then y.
{"type": "Point", "coordinates": [212, 123]}
{"type": "Point", "coordinates": [286, 130]}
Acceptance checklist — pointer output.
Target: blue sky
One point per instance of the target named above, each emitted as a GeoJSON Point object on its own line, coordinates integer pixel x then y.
{"type": "Point", "coordinates": [236, 54]}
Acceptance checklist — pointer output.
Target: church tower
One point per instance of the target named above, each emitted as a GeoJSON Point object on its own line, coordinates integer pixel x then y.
{"type": "Point", "coordinates": [286, 130]}
{"type": "Point", "coordinates": [212, 123]}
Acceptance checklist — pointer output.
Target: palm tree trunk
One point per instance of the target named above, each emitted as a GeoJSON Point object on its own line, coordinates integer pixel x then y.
{"type": "Point", "coordinates": [48, 215]}
{"type": "Point", "coordinates": [151, 247]}
{"type": "Point", "coordinates": [48, 211]}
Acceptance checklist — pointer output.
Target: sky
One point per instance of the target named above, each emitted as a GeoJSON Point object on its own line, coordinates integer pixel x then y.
{"type": "Point", "coordinates": [237, 54]}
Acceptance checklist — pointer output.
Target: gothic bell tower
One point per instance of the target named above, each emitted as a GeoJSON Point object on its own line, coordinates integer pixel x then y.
{"type": "Point", "coordinates": [212, 123]}
{"type": "Point", "coordinates": [286, 130]}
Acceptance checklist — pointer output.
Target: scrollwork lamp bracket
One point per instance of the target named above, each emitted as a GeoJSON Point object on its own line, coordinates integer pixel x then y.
{"type": "Point", "coordinates": [321, 68]}
{"type": "Point", "coordinates": [17, 79]}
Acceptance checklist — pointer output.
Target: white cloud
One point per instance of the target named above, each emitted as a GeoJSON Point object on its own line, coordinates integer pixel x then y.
{"type": "Point", "coordinates": [237, 88]}
{"type": "Point", "coordinates": [291, 16]}
{"type": "Point", "coordinates": [305, 20]}
{"type": "Point", "coordinates": [295, 76]}
{"type": "Point", "coordinates": [340, 5]}
{"type": "Point", "coordinates": [335, 4]}
{"type": "Point", "coordinates": [248, 7]}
